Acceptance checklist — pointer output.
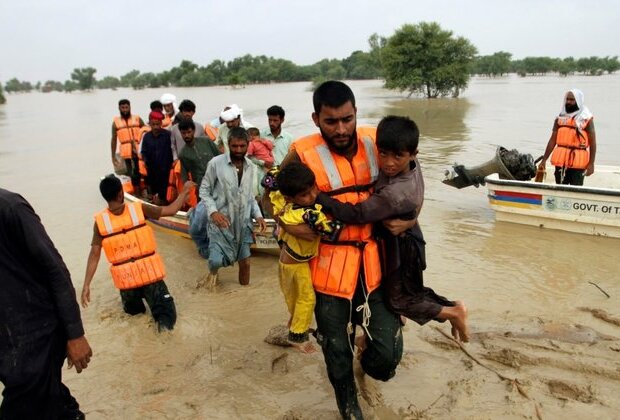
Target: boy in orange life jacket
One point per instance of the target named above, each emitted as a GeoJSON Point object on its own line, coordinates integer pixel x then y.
{"type": "Point", "coordinates": [572, 145]}
{"type": "Point", "coordinates": [129, 244]}
{"type": "Point", "coordinates": [399, 192]}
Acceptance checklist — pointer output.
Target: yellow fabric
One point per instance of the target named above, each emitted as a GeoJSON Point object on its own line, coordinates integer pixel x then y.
{"type": "Point", "coordinates": [296, 286]}
{"type": "Point", "coordinates": [291, 216]}
{"type": "Point", "coordinates": [335, 269]}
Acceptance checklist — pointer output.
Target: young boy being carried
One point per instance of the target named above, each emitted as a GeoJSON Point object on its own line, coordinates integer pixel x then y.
{"type": "Point", "coordinates": [293, 195]}
{"type": "Point", "coordinates": [260, 151]}
{"type": "Point", "coordinates": [399, 193]}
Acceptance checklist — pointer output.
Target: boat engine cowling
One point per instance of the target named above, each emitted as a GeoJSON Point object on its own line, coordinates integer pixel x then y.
{"type": "Point", "coordinates": [509, 164]}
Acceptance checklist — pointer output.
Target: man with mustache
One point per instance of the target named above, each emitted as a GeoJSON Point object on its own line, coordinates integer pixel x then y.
{"type": "Point", "coordinates": [572, 144]}
{"type": "Point", "coordinates": [227, 194]}
{"type": "Point", "coordinates": [346, 274]}
{"type": "Point", "coordinates": [126, 136]}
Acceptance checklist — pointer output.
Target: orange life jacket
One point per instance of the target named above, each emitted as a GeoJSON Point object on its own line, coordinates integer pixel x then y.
{"type": "Point", "coordinates": [175, 184]}
{"type": "Point", "coordinates": [572, 144]}
{"type": "Point", "coordinates": [172, 192]}
{"type": "Point", "coordinates": [211, 132]}
{"type": "Point", "coordinates": [141, 165]}
{"type": "Point", "coordinates": [126, 132]}
{"type": "Point", "coordinates": [335, 270]}
{"type": "Point", "coordinates": [130, 247]}
{"type": "Point", "coordinates": [192, 197]}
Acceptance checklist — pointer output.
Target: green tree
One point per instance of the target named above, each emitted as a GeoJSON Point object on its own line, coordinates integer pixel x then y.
{"type": "Point", "coordinates": [361, 65]}
{"type": "Point", "coordinates": [426, 59]}
{"type": "Point", "coordinates": [176, 74]}
{"type": "Point", "coordinates": [611, 64]}
{"type": "Point", "coordinates": [84, 78]}
{"type": "Point", "coordinates": [51, 86]}
{"type": "Point", "coordinates": [108, 82]}
{"type": "Point", "coordinates": [15, 85]}
{"type": "Point", "coordinates": [70, 86]}
{"type": "Point", "coordinates": [128, 78]}
{"type": "Point", "coordinates": [2, 98]}
{"type": "Point", "coordinates": [494, 65]}
{"type": "Point", "coordinates": [377, 43]}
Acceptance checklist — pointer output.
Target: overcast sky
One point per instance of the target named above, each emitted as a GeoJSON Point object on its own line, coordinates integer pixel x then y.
{"type": "Point", "coordinates": [41, 40]}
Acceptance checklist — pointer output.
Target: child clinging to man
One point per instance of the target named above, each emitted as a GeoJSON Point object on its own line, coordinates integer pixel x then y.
{"type": "Point", "coordinates": [293, 197]}
{"type": "Point", "coordinates": [260, 151]}
{"type": "Point", "coordinates": [399, 193]}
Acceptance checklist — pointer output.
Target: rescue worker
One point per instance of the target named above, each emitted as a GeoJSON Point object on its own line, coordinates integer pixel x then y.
{"type": "Point", "coordinates": [572, 144]}
{"type": "Point", "coordinates": [129, 244]}
{"type": "Point", "coordinates": [346, 274]}
{"type": "Point", "coordinates": [126, 137]}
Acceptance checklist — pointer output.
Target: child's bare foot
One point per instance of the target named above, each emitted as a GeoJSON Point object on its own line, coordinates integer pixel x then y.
{"type": "Point", "coordinates": [460, 330]}
{"type": "Point", "coordinates": [306, 347]}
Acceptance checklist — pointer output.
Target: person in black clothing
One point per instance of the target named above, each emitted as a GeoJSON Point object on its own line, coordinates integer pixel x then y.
{"type": "Point", "coordinates": [157, 156]}
{"type": "Point", "coordinates": [40, 320]}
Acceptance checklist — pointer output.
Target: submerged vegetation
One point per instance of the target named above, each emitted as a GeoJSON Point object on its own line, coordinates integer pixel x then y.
{"type": "Point", "coordinates": [421, 59]}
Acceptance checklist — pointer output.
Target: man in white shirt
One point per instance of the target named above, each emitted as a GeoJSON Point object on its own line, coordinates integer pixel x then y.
{"type": "Point", "coordinates": [280, 138]}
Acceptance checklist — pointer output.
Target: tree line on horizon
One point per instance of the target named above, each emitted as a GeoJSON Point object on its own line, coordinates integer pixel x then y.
{"type": "Point", "coordinates": [421, 59]}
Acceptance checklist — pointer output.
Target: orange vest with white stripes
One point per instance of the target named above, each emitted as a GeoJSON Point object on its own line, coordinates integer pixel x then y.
{"type": "Point", "coordinates": [336, 268]}
{"type": "Point", "coordinates": [126, 132]}
{"type": "Point", "coordinates": [572, 144]}
{"type": "Point", "coordinates": [129, 246]}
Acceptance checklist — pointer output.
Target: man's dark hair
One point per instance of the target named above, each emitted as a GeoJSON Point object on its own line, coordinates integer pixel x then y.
{"type": "Point", "coordinates": [123, 102]}
{"type": "Point", "coordinates": [238, 133]}
{"type": "Point", "coordinates": [397, 134]}
{"type": "Point", "coordinates": [253, 131]}
{"type": "Point", "coordinates": [186, 125]}
{"type": "Point", "coordinates": [187, 105]}
{"type": "Point", "coordinates": [110, 186]}
{"type": "Point", "coordinates": [156, 106]}
{"type": "Point", "coordinates": [294, 178]}
{"type": "Point", "coordinates": [275, 110]}
{"type": "Point", "coordinates": [332, 94]}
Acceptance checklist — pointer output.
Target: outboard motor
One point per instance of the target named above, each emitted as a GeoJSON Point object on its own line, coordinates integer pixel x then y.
{"type": "Point", "coordinates": [509, 164]}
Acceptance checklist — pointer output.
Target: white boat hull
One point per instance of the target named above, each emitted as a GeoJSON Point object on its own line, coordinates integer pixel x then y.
{"type": "Point", "coordinates": [179, 225]}
{"type": "Point", "coordinates": [592, 209]}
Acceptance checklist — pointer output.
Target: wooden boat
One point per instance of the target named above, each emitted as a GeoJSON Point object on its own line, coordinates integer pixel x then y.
{"type": "Point", "coordinates": [593, 208]}
{"type": "Point", "coordinates": [179, 225]}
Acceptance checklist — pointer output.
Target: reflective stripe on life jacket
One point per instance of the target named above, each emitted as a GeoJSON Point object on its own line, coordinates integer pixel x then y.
{"type": "Point", "coordinates": [335, 270]}
{"type": "Point", "coordinates": [126, 132]}
{"type": "Point", "coordinates": [572, 144]}
{"type": "Point", "coordinates": [129, 246]}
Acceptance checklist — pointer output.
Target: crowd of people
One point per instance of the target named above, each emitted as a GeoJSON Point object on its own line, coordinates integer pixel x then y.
{"type": "Point", "coordinates": [347, 201]}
